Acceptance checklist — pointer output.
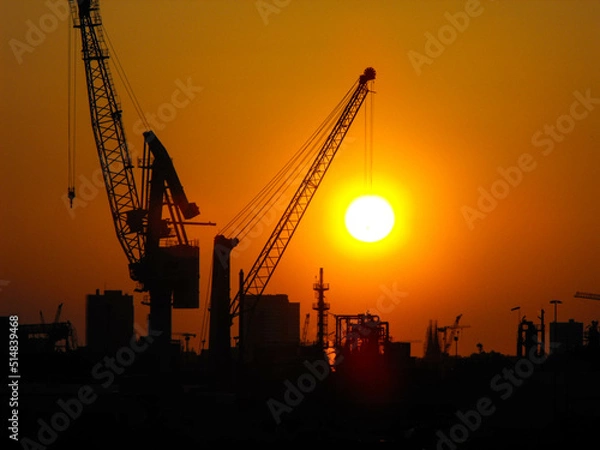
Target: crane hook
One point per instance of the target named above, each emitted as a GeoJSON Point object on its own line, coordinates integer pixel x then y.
{"type": "Point", "coordinates": [71, 195]}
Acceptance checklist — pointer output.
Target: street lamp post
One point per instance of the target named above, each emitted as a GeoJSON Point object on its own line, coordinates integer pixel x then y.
{"type": "Point", "coordinates": [517, 308]}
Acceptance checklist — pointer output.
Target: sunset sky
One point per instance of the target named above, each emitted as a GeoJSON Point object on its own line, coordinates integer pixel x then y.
{"type": "Point", "coordinates": [486, 131]}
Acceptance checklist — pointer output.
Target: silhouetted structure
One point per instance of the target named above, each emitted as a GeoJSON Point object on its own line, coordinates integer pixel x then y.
{"type": "Point", "coordinates": [362, 333]}
{"type": "Point", "coordinates": [433, 349]}
{"type": "Point", "coordinates": [109, 321]}
{"type": "Point", "coordinates": [531, 337]}
{"type": "Point", "coordinates": [322, 309]}
{"type": "Point", "coordinates": [219, 339]}
{"type": "Point", "coordinates": [592, 335]}
{"type": "Point", "coordinates": [450, 334]}
{"type": "Point", "coordinates": [566, 336]}
{"type": "Point", "coordinates": [271, 322]}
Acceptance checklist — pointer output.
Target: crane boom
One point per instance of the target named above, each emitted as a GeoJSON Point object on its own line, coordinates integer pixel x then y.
{"type": "Point", "coordinates": [107, 125]}
{"type": "Point", "coordinates": [587, 295]}
{"type": "Point", "coordinates": [447, 340]}
{"type": "Point", "coordinates": [262, 270]}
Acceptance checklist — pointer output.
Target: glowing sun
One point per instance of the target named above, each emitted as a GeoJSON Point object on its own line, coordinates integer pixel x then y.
{"type": "Point", "coordinates": [369, 218]}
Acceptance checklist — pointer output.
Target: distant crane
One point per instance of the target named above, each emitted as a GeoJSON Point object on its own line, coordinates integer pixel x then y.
{"type": "Point", "coordinates": [448, 338]}
{"type": "Point", "coordinates": [305, 329]}
{"type": "Point", "coordinates": [56, 315]}
{"type": "Point", "coordinates": [60, 336]}
{"type": "Point", "coordinates": [587, 295]}
{"type": "Point", "coordinates": [58, 311]}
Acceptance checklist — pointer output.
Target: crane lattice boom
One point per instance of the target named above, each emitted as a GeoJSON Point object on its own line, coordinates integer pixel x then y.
{"type": "Point", "coordinates": [109, 134]}
{"type": "Point", "coordinates": [587, 295]}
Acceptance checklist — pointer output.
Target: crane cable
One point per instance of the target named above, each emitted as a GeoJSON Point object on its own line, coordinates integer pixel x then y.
{"type": "Point", "coordinates": [72, 101]}
{"type": "Point", "coordinates": [123, 77]}
{"type": "Point", "coordinates": [71, 114]}
{"type": "Point", "coordinates": [270, 195]}
{"type": "Point", "coordinates": [204, 325]}
{"type": "Point", "coordinates": [369, 114]}
{"type": "Point", "coordinates": [292, 170]}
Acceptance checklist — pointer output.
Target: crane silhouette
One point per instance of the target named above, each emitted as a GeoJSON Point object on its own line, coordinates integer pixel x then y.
{"type": "Point", "coordinates": [450, 333]}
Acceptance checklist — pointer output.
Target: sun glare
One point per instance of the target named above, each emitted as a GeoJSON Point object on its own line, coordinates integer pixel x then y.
{"type": "Point", "coordinates": [369, 218]}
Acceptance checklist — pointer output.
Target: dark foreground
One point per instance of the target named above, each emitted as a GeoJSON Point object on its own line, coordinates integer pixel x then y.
{"type": "Point", "coordinates": [486, 401]}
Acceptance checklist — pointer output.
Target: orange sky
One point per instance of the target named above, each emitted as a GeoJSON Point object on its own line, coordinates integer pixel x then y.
{"type": "Point", "coordinates": [508, 83]}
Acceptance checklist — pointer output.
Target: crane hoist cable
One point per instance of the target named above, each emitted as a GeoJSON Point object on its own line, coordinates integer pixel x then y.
{"type": "Point", "coordinates": [369, 114]}
{"type": "Point", "coordinates": [71, 114]}
{"type": "Point", "coordinates": [72, 102]}
{"type": "Point", "coordinates": [293, 170]}
{"type": "Point", "coordinates": [125, 80]}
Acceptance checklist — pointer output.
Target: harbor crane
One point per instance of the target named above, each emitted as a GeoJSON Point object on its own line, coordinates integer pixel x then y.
{"type": "Point", "coordinates": [304, 339]}
{"type": "Point", "coordinates": [223, 309]}
{"type": "Point", "coordinates": [587, 295]}
{"type": "Point", "coordinates": [162, 260]}
{"type": "Point", "coordinates": [450, 334]}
